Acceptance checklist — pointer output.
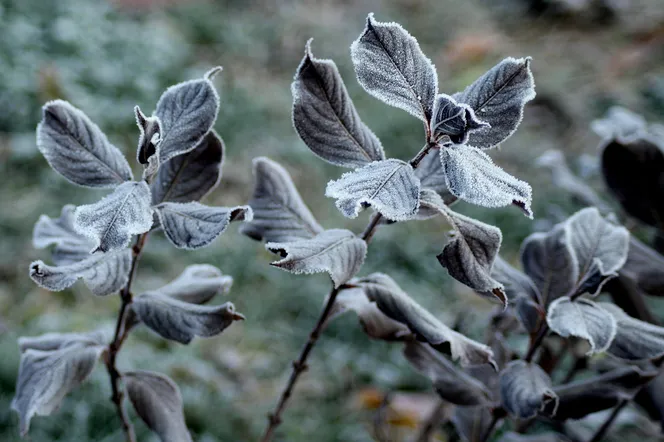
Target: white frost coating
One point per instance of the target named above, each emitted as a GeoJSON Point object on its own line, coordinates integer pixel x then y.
{"type": "Point", "coordinates": [455, 120]}
{"type": "Point", "coordinates": [70, 246]}
{"type": "Point", "coordinates": [103, 273]}
{"type": "Point", "coordinates": [389, 186]}
{"type": "Point", "coordinates": [391, 66]}
{"type": "Point", "coordinates": [112, 221]}
{"type": "Point", "coordinates": [526, 389]}
{"type": "Point", "coordinates": [77, 149]}
{"type": "Point", "coordinates": [280, 215]}
{"type": "Point", "coordinates": [194, 225]}
{"type": "Point", "coordinates": [325, 118]}
{"type": "Point", "coordinates": [337, 251]}
{"type": "Point", "coordinates": [157, 400]}
{"type": "Point", "coordinates": [635, 340]}
{"type": "Point", "coordinates": [197, 284]}
{"type": "Point", "coordinates": [583, 319]}
{"type": "Point", "coordinates": [57, 341]}
{"type": "Point", "coordinates": [46, 377]}
{"type": "Point", "coordinates": [471, 176]}
{"type": "Point", "coordinates": [498, 98]}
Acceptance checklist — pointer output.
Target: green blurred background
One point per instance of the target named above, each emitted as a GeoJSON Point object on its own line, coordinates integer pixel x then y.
{"type": "Point", "coordinates": [105, 57]}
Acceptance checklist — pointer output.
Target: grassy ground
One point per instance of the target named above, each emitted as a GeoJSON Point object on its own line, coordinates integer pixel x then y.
{"type": "Point", "coordinates": [105, 62]}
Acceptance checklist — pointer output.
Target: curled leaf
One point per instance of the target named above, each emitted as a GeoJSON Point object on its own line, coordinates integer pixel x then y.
{"type": "Point", "coordinates": [635, 340]}
{"type": "Point", "coordinates": [197, 284]}
{"type": "Point", "coordinates": [70, 246]}
{"type": "Point", "coordinates": [526, 389]}
{"type": "Point", "coordinates": [455, 120]}
{"type": "Point", "coordinates": [149, 138]}
{"type": "Point", "coordinates": [57, 341]}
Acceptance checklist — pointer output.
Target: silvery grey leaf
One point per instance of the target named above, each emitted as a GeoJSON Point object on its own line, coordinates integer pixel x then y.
{"type": "Point", "coordinates": [619, 122]}
{"type": "Point", "coordinates": [470, 252]}
{"type": "Point", "coordinates": [635, 340]}
{"type": "Point", "coordinates": [77, 149]}
{"type": "Point", "coordinates": [498, 98]}
{"type": "Point", "coordinates": [583, 319]}
{"type": "Point", "coordinates": [455, 120]}
{"type": "Point", "coordinates": [390, 186]}
{"type": "Point", "coordinates": [337, 251]}
{"type": "Point", "coordinates": [430, 205]}
{"type": "Point", "coordinates": [645, 267]}
{"type": "Point", "coordinates": [149, 138]}
{"type": "Point", "coordinates": [194, 225]}
{"type": "Point", "coordinates": [391, 66]}
{"type": "Point", "coordinates": [325, 118]}
{"type": "Point", "coordinates": [600, 248]}
{"type": "Point", "coordinates": [451, 384]}
{"type": "Point", "coordinates": [511, 436]}
{"type": "Point", "coordinates": [432, 176]}
{"type": "Point", "coordinates": [181, 321]}
{"type": "Point", "coordinates": [190, 176]}
{"type": "Point", "coordinates": [280, 215]}
{"type": "Point", "coordinates": [471, 423]}
{"type": "Point", "coordinates": [397, 305]}
{"type": "Point", "coordinates": [472, 176]}
{"type": "Point", "coordinates": [56, 341]}
{"type": "Point", "coordinates": [157, 400]}
{"type": "Point", "coordinates": [112, 221]}
{"type": "Point", "coordinates": [186, 112]}
{"type": "Point", "coordinates": [102, 273]}
{"type": "Point", "coordinates": [46, 377]}
{"type": "Point", "coordinates": [549, 262]}
{"type": "Point", "coordinates": [197, 284]}
{"type": "Point", "coordinates": [70, 246]}
{"type": "Point", "coordinates": [526, 389]}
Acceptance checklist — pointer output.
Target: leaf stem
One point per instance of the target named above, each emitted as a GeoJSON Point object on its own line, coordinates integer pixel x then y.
{"type": "Point", "coordinates": [601, 431]}
{"type": "Point", "coordinates": [119, 336]}
{"type": "Point", "coordinates": [535, 343]}
{"type": "Point", "coordinates": [435, 420]}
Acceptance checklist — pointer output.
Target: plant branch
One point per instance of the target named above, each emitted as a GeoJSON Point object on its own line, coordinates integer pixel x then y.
{"type": "Point", "coordinates": [436, 418]}
{"type": "Point", "coordinates": [119, 336]}
{"type": "Point", "coordinates": [601, 431]}
{"type": "Point", "coordinates": [535, 343]}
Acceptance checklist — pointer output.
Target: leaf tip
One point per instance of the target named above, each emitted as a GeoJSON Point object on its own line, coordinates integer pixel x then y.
{"type": "Point", "coordinates": [209, 75]}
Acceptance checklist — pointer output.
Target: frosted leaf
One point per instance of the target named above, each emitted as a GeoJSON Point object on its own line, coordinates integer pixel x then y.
{"type": "Point", "coordinates": [498, 98]}
{"type": "Point", "coordinates": [472, 177]}
{"type": "Point", "coordinates": [190, 176]}
{"type": "Point", "coordinates": [619, 122]}
{"type": "Point", "coordinates": [470, 252]}
{"type": "Point", "coordinates": [432, 176]}
{"type": "Point", "coordinates": [600, 248]}
{"type": "Point", "coordinates": [194, 225]}
{"type": "Point", "coordinates": [550, 436]}
{"type": "Point", "coordinates": [397, 305]}
{"type": "Point", "coordinates": [182, 321]}
{"type": "Point", "coordinates": [197, 284]}
{"type": "Point", "coordinates": [186, 112]}
{"type": "Point", "coordinates": [46, 377]}
{"type": "Point", "coordinates": [70, 246]}
{"type": "Point", "coordinates": [451, 384]}
{"type": "Point", "coordinates": [280, 215]}
{"type": "Point", "coordinates": [57, 341]}
{"type": "Point", "coordinates": [455, 120]}
{"type": "Point", "coordinates": [645, 268]}
{"type": "Point", "coordinates": [112, 221]}
{"type": "Point", "coordinates": [582, 319]}
{"type": "Point", "coordinates": [337, 251]}
{"type": "Point", "coordinates": [325, 118]}
{"type": "Point", "coordinates": [103, 273]}
{"type": "Point", "coordinates": [390, 186]}
{"type": "Point", "coordinates": [391, 66]}
{"type": "Point", "coordinates": [77, 149]}
{"type": "Point", "coordinates": [526, 389]}
{"type": "Point", "coordinates": [635, 340]}
{"type": "Point", "coordinates": [550, 263]}
{"type": "Point", "coordinates": [149, 138]}
{"type": "Point", "coordinates": [157, 400]}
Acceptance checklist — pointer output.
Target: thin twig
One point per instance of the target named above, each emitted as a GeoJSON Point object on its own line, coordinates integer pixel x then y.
{"type": "Point", "coordinates": [601, 431]}
{"type": "Point", "coordinates": [487, 433]}
{"type": "Point", "coordinates": [535, 343]}
{"type": "Point", "coordinates": [435, 420]}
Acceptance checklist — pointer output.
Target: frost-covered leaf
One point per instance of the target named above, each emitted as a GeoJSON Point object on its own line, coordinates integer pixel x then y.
{"type": "Point", "coordinates": [455, 120]}
{"type": "Point", "coordinates": [337, 251]}
{"type": "Point", "coordinates": [511, 436]}
{"type": "Point", "coordinates": [57, 341]}
{"type": "Point", "coordinates": [471, 176]}
{"type": "Point", "coordinates": [157, 400]}
{"type": "Point", "coordinates": [325, 118]}
{"type": "Point", "coordinates": [112, 221]}
{"type": "Point", "coordinates": [149, 138]}
{"type": "Point", "coordinates": [70, 246]}
{"type": "Point", "coordinates": [635, 340]}
{"type": "Point", "coordinates": [644, 267]}
{"type": "Point", "coordinates": [619, 122]}
{"type": "Point", "coordinates": [397, 305]}
{"type": "Point", "coordinates": [526, 389]}
{"type": "Point", "coordinates": [584, 319]}
{"type": "Point", "coordinates": [432, 176]}
{"type": "Point", "coordinates": [390, 186]}
{"type": "Point", "coordinates": [190, 176]}
{"type": "Point", "coordinates": [197, 284]}
{"type": "Point", "coordinates": [103, 273]}
{"type": "Point", "coordinates": [391, 66]}
{"type": "Point", "coordinates": [194, 225]}
{"type": "Point", "coordinates": [77, 149]}
{"type": "Point", "coordinates": [46, 377]}
{"type": "Point", "coordinates": [451, 384]}
{"type": "Point", "coordinates": [186, 112]}
{"type": "Point", "coordinates": [470, 252]}
{"type": "Point", "coordinates": [181, 321]}
{"type": "Point", "coordinates": [550, 263]}
{"type": "Point", "coordinates": [280, 215]}
{"type": "Point", "coordinates": [600, 248]}
{"type": "Point", "coordinates": [498, 98]}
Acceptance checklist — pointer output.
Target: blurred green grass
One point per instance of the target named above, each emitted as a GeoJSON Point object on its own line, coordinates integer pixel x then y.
{"type": "Point", "coordinates": [106, 58]}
